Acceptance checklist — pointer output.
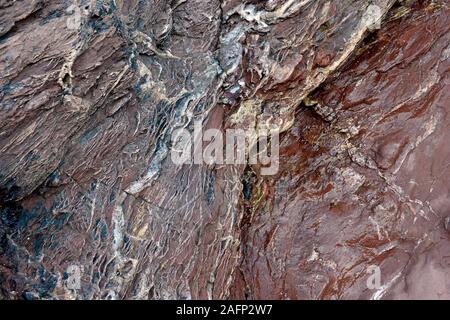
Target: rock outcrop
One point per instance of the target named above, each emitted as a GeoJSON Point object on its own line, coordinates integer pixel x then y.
{"type": "Point", "coordinates": [91, 92]}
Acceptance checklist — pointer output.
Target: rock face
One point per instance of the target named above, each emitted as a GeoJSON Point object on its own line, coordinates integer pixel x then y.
{"type": "Point", "coordinates": [91, 92]}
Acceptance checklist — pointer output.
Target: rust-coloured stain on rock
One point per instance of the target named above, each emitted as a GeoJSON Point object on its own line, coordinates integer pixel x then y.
{"type": "Point", "coordinates": [92, 205]}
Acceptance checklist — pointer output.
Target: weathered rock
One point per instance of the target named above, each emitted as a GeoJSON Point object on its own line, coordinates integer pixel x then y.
{"type": "Point", "coordinates": [368, 189]}
{"type": "Point", "coordinates": [92, 91]}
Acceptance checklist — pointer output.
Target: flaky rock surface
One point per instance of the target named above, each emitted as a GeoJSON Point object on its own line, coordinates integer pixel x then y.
{"type": "Point", "coordinates": [91, 91]}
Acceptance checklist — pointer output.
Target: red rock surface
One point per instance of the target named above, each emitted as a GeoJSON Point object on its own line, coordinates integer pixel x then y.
{"type": "Point", "coordinates": [86, 180]}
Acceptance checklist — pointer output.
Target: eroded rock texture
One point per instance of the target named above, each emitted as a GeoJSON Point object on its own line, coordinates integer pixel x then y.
{"type": "Point", "coordinates": [91, 91]}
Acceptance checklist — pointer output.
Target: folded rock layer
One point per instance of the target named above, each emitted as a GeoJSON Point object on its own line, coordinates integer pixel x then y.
{"type": "Point", "coordinates": [92, 90]}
